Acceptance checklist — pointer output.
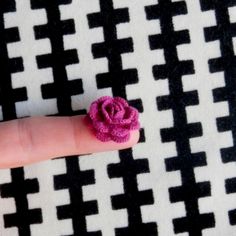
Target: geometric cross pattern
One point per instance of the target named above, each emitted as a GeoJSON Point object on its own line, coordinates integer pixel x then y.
{"type": "Point", "coordinates": [77, 199]}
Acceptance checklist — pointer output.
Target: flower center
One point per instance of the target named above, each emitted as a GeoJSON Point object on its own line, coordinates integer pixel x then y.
{"type": "Point", "coordinates": [110, 110]}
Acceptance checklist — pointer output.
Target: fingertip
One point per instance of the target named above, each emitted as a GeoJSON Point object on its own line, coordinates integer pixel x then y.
{"type": "Point", "coordinates": [50, 137]}
{"type": "Point", "coordinates": [134, 138]}
{"type": "Point", "coordinates": [89, 143]}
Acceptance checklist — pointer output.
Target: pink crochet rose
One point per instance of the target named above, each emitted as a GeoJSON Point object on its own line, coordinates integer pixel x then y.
{"type": "Point", "coordinates": [112, 119]}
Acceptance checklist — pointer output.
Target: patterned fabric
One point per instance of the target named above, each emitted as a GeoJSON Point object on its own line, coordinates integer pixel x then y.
{"type": "Point", "coordinates": [175, 61]}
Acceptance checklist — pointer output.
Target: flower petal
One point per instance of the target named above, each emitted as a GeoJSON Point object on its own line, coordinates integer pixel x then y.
{"type": "Point", "coordinates": [104, 98]}
{"type": "Point", "coordinates": [135, 115]}
{"type": "Point", "coordinates": [103, 137]}
{"type": "Point", "coordinates": [121, 139]}
{"type": "Point", "coordinates": [110, 109]}
{"type": "Point", "coordinates": [100, 127]}
{"type": "Point", "coordinates": [119, 114]}
{"type": "Point", "coordinates": [119, 132]}
{"type": "Point", "coordinates": [88, 121]}
{"type": "Point", "coordinates": [96, 106]}
{"type": "Point", "coordinates": [134, 125]}
{"type": "Point", "coordinates": [94, 111]}
{"type": "Point", "coordinates": [131, 115]}
{"type": "Point", "coordinates": [121, 101]}
{"type": "Point", "coordinates": [104, 112]}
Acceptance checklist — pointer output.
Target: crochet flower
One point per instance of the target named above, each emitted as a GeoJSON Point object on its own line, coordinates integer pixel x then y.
{"type": "Point", "coordinates": [112, 119]}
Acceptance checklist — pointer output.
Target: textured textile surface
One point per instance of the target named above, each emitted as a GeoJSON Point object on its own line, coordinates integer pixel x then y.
{"type": "Point", "coordinates": [112, 119]}
{"type": "Point", "coordinates": [175, 61]}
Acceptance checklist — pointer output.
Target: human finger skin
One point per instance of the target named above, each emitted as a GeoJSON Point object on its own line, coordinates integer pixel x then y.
{"type": "Point", "coordinates": [28, 140]}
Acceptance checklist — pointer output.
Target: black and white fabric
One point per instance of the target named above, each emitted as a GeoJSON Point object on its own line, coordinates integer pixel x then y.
{"type": "Point", "coordinates": [175, 61]}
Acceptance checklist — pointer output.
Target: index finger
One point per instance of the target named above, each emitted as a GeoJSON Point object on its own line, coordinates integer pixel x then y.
{"type": "Point", "coordinates": [28, 140]}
